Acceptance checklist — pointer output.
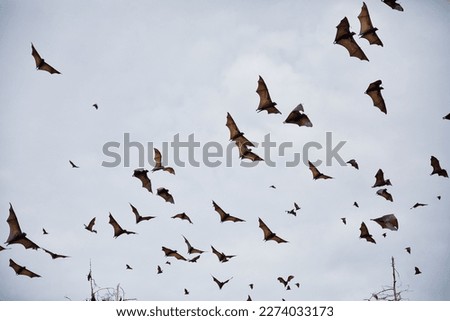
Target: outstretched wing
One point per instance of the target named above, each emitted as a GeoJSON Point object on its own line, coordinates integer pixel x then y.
{"type": "Point", "coordinates": [367, 30]}
{"type": "Point", "coordinates": [345, 38]}
{"type": "Point", "coordinates": [141, 174]}
{"type": "Point", "coordinates": [157, 159]}
{"type": "Point", "coordinates": [16, 236]}
{"type": "Point", "coordinates": [365, 233]}
{"type": "Point", "coordinates": [22, 270]}
{"type": "Point", "coordinates": [388, 221]}
{"type": "Point", "coordinates": [374, 91]}
{"type": "Point", "coordinates": [265, 102]}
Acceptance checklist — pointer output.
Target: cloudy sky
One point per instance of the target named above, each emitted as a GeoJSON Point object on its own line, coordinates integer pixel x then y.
{"type": "Point", "coordinates": [158, 69]}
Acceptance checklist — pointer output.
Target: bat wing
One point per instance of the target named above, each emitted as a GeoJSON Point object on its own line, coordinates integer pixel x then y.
{"type": "Point", "coordinates": [157, 158]}
{"type": "Point", "coordinates": [446, 117]}
{"type": "Point", "coordinates": [16, 236]}
{"type": "Point", "coordinates": [234, 130]}
{"type": "Point", "coordinates": [379, 178]}
{"type": "Point", "coordinates": [36, 56]}
{"type": "Point", "coordinates": [54, 255]}
{"type": "Point", "coordinates": [219, 210]}
{"type": "Point", "coordinates": [164, 193]}
{"type": "Point", "coordinates": [374, 92]}
{"type": "Point", "coordinates": [118, 230]}
{"type": "Point", "coordinates": [388, 221]}
{"type": "Point", "coordinates": [46, 67]}
{"type": "Point", "coordinates": [265, 102]}
{"type": "Point", "coordinates": [316, 173]}
{"type": "Point", "coordinates": [436, 165]}
{"type": "Point", "coordinates": [141, 173]}
{"type": "Point", "coordinates": [393, 4]}
{"type": "Point", "coordinates": [345, 38]}
{"type": "Point", "coordinates": [22, 270]}
{"type": "Point", "coordinates": [178, 256]}
{"type": "Point", "coordinates": [384, 193]}
{"type": "Point", "coordinates": [267, 232]}
{"type": "Point", "coordinates": [169, 169]}
{"type": "Point", "coordinates": [365, 233]}
{"type": "Point", "coordinates": [91, 226]}
{"type": "Point", "coordinates": [353, 163]}
{"type": "Point", "coordinates": [298, 118]}
{"type": "Point", "coordinates": [367, 30]}
{"type": "Point", "coordinates": [245, 152]}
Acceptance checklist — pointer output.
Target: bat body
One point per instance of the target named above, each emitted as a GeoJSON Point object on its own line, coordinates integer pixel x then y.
{"type": "Point", "coordinates": [141, 173]}
{"type": "Point", "coordinates": [388, 221]}
{"type": "Point", "coordinates": [222, 256]}
{"type": "Point", "coordinates": [316, 173]}
{"type": "Point", "coordinates": [164, 193]}
{"type": "Point", "coordinates": [296, 116]}
{"type": "Point", "coordinates": [186, 292]}
{"type": "Point", "coordinates": [285, 282]}
{"type": "Point", "coordinates": [446, 117]}
{"type": "Point", "coordinates": [158, 163]}
{"type": "Point", "coordinates": [265, 102]}
{"type": "Point", "coordinates": [159, 270]}
{"type": "Point", "coordinates": [44, 231]}
{"type": "Point", "coordinates": [40, 62]}
{"type": "Point", "coordinates": [385, 194]}
{"type": "Point", "coordinates": [344, 220]}
{"type": "Point", "coordinates": [353, 163]}
{"type": "Point", "coordinates": [73, 165]}
{"type": "Point", "coordinates": [292, 212]}
{"type": "Point", "coordinates": [437, 167]}
{"type": "Point", "coordinates": [367, 30]}
{"type": "Point", "coordinates": [174, 253]}
{"type": "Point", "coordinates": [379, 179]}
{"type": "Point", "coordinates": [118, 230]}
{"type": "Point", "coordinates": [22, 270]}
{"type": "Point", "coordinates": [16, 236]}
{"type": "Point", "coordinates": [408, 249]}
{"type": "Point", "coordinates": [272, 186]}
{"type": "Point", "coordinates": [224, 217]}
{"type": "Point", "coordinates": [268, 234]}
{"type": "Point", "coordinates": [249, 298]}
{"type": "Point", "coordinates": [140, 218]}
{"type": "Point", "coordinates": [95, 106]}
{"type": "Point", "coordinates": [418, 205]}
{"type": "Point", "coordinates": [235, 134]}
{"type": "Point", "coordinates": [393, 4]}
{"type": "Point", "coordinates": [194, 259]}
{"type": "Point", "coordinates": [345, 38]}
{"type": "Point", "coordinates": [416, 270]}
{"type": "Point", "coordinates": [374, 91]}
{"type": "Point", "coordinates": [54, 255]}
{"type": "Point", "coordinates": [355, 204]}
{"type": "Point", "coordinates": [90, 226]}
{"type": "Point", "coordinates": [128, 267]}
{"type": "Point", "coordinates": [219, 283]}
{"type": "Point", "coordinates": [183, 216]}
{"type": "Point", "coordinates": [191, 249]}
{"type": "Point", "coordinates": [365, 233]}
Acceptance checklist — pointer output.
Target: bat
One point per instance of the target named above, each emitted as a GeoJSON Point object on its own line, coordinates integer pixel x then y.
{"type": "Point", "coordinates": [141, 173]}
{"type": "Point", "coordinates": [54, 255]}
{"type": "Point", "coordinates": [272, 186]}
{"type": "Point", "coordinates": [365, 233]}
{"type": "Point", "coordinates": [353, 163]}
{"type": "Point", "coordinates": [285, 282]}
{"type": "Point", "coordinates": [140, 218]}
{"type": "Point", "coordinates": [158, 163]}
{"type": "Point", "coordinates": [379, 179]}
{"type": "Point", "coordinates": [73, 165]}
{"type": "Point", "coordinates": [384, 234]}
{"type": "Point", "coordinates": [249, 298]}
{"type": "Point", "coordinates": [268, 234]}
{"type": "Point", "coordinates": [16, 236]}
{"type": "Point", "coordinates": [194, 259]}
{"type": "Point", "coordinates": [296, 206]}
{"type": "Point", "coordinates": [90, 226]}
{"type": "Point", "coordinates": [344, 220]}
{"type": "Point", "coordinates": [3, 248]}
{"type": "Point", "coordinates": [408, 249]}
{"type": "Point", "coordinates": [393, 4]}
{"type": "Point", "coordinates": [44, 231]}
{"type": "Point", "coordinates": [388, 221]}
{"type": "Point", "coordinates": [374, 92]}
{"type": "Point", "coordinates": [219, 283]}
{"type": "Point", "coordinates": [439, 197]}
{"type": "Point", "coordinates": [159, 270]}
{"type": "Point", "coordinates": [437, 167]}
{"type": "Point", "coordinates": [95, 106]}
{"type": "Point", "coordinates": [22, 270]}
{"type": "Point", "coordinates": [224, 217]}
{"type": "Point", "coordinates": [40, 62]}
{"type": "Point", "coordinates": [316, 173]}
{"type": "Point", "coordinates": [384, 193]}
{"type": "Point", "coordinates": [191, 249]}
{"type": "Point", "coordinates": [164, 193]}
{"type": "Point", "coordinates": [367, 30]}
{"type": "Point", "coordinates": [222, 256]}
{"type": "Point", "coordinates": [297, 285]}
{"type": "Point", "coordinates": [265, 102]}
{"type": "Point", "coordinates": [168, 263]}
{"type": "Point", "coordinates": [118, 230]}
{"type": "Point", "coordinates": [355, 204]}
{"type": "Point", "coordinates": [291, 212]}
{"type": "Point", "coordinates": [345, 38]}
{"type": "Point", "coordinates": [446, 117]}
{"type": "Point", "coordinates": [416, 270]}
{"type": "Point", "coordinates": [245, 152]}
{"type": "Point", "coordinates": [174, 253]}
{"type": "Point", "coordinates": [251, 286]}
{"type": "Point", "coordinates": [417, 205]}
{"type": "Point", "coordinates": [235, 134]}
{"type": "Point", "coordinates": [296, 116]}
{"type": "Point", "coordinates": [183, 216]}
{"type": "Point", "coordinates": [186, 292]}
{"type": "Point", "coordinates": [128, 267]}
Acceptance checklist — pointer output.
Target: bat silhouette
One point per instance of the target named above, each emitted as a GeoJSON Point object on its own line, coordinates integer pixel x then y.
{"type": "Point", "coordinates": [222, 256]}
{"type": "Point", "coordinates": [292, 212]}
{"type": "Point", "coordinates": [54, 255]}
{"type": "Point", "coordinates": [353, 163]}
{"type": "Point", "coordinates": [235, 134]}
{"type": "Point", "coordinates": [90, 226]}
{"type": "Point", "coordinates": [40, 62]}
{"type": "Point", "coordinates": [285, 282]}
{"type": "Point", "coordinates": [297, 285]}
{"type": "Point", "coordinates": [118, 230]}
{"type": "Point", "coordinates": [384, 234]}
{"type": "Point", "coordinates": [384, 193]}
{"type": "Point", "coordinates": [416, 270]}
{"type": "Point", "coordinates": [164, 193]}
{"type": "Point", "coordinates": [3, 248]}
{"type": "Point", "coordinates": [16, 236]}
{"type": "Point", "coordinates": [268, 234]}
{"type": "Point", "coordinates": [272, 186]}
{"type": "Point", "coordinates": [365, 233]}
{"type": "Point", "coordinates": [417, 205]}
{"type": "Point", "coordinates": [265, 102]}
{"type": "Point", "coordinates": [159, 270]}
{"type": "Point", "coordinates": [408, 249]}
{"type": "Point", "coordinates": [388, 221]}
{"type": "Point", "coordinates": [344, 220]}
{"type": "Point", "coordinates": [73, 165]}
{"type": "Point", "coordinates": [355, 204]}
{"type": "Point", "coordinates": [367, 30]}
{"type": "Point", "coordinates": [22, 270]}
{"type": "Point", "coordinates": [345, 38]}
{"type": "Point", "coordinates": [446, 117]}
{"type": "Point", "coordinates": [296, 116]}
{"type": "Point", "coordinates": [183, 216]}
{"type": "Point", "coordinates": [95, 106]}
{"type": "Point", "coordinates": [251, 286]}
{"type": "Point", "coordinates": [44, 231]}
{"type": "Point", "coordinates": [186, 292]}
{"type": "Point", "coordinates": [437, 167]}
{"type": "Point", "coordinates": [439, 197]}
{"type": "Point", "coordinates": [374, 91]}
{"type": "Point", "coordinates": [316, 173]}
{"type": "Point", "coordinates": [140, 218]}
{"type": "Point", "coordinates": [246, 153]}
{"type": "Point", "coordinates": [194, 259]}
{"type": "Point", "coordinates": [379, 179]}
{"type": "Point", "coordinates": [141, 173]}
{"type": "Point", "coordinates": [296, 206]}
{"type": "Point", "coordinates": [191, 249]}
{"type": "Point", "coordinates": [128, 267]}
{"type": "Point", "coordinates": [393, 4]}
{"type": "Point", "coordinates": [224, 217]}
{"type": "Point", "coordinates": [174, 253]}
{"type": "Point", "coordinates": [219, 283]}
{"type": "Point", "coordinates": [249, 298]}
{"type": "Point", "coordinates": [158, 163]}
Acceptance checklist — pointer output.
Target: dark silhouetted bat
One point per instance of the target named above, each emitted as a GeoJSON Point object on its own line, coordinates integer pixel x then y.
{"type": "Point", "coordinates": [159, 270]}
{"type": "Point", "coordinates": [245, 152]}
{"type": "Point", "coordinates": [183, 216]}
{"type": "Point", "coordinates": [297, 285]}
{"type": "Point", "coordinates": [174, 253]}
{"type": "Point", "coordinates": [141, 173]}
{"type": "Point", "coordinates": [272, 186]}
{"type": "Point", "coordinates": [265, 102]}
{"type": "Point", "coordinates": [296, 206]}
{"type": "Point", "coordinates": [344, 220]}
{"type": "Point", "coordinates": [384, 234]}
{"type": "Point", "coordinates": [128, 267]}
{"type": "Point", "coordinates": [292, 212]}
{"type": "Point", "coordinates": [3, 248]}
{"type": "Point", "coordinates": [439, 197]}
{"type": "Point", "coordinates": [249, 298]}
{"type": "Point", "coordinates": [90, 226]}
{"type": "Point", "coordinates": [22, 270]}
{"type": "Point", "coordinates": [73, 165]}
{"type": "Point", "coordinates": [44, 231]}
{"type": "Point", "coordinates": [345, 38]}
{"type": "Point", "coordinates": [268, 234]}
{"type": "Point", "coordinates": [224, 217]}
{"type": "Point", "coordinates": [374, 91]}
{"type": "Point", "coordinates": [297, 117]}
{"type": "Point", "coordinates": [408, 249]}
{"type": "Point", "coordinates": [437, 167]}
{"type": "Point", "coordinates": [140, 218]}
{"type": "Point", "coordinates": [194, 259]}
{"type": "Point", "coordinates": [235, 134]}
{"type": "Point", "coordinates": [316, 173]}
{"type": "Point", "coordinates": [158, 163]}
{"type": "Point", "coordinates": [186, 292]}
{"type": "Point", "coordinates": [393, 4]}
{"type": "Point", "coordinates": [191, 249]}
{"type": "Point", "coordinates": [164, 193]}
{"type": "Point", "coordinates": [417, 205]}
{"type": "Point", "coordinates": [40, 63]}
{"type": "Point", "coordinates": [355, 204]}
{"type": "Point", "coordinates": [285, 282]}
{"type": "Point", "coordinates": [251, 286]}
{"type": "Point", "coordinates": [16, 236]}
{"type": "Point", "coordinates": [222, 256]}
{"type": "Point", "coordinates": [384, 193]}
{"type": "Point", "coordinates": [54, 255]}
{"type": "Point", "coordinates": [388, 221]}
{"type": "Point", "coordinates": [220, 284]}
{"type": "Point", "coordinates": [95, 106]}
{"type": "Point", "coordinates": [416, 270]}
{"type": "Point", "coordinates": [353, 163]}
{"type": "Point", "coordinates": [118, 230]}
{"type": "Point", "coordinates": [446, 117]}
{"type": "Point", "coordinates": [379, 179]}
{"type": "Point", "coordinates": [367, 30]}
{"type": "Point", "coordinates": [365, 233]}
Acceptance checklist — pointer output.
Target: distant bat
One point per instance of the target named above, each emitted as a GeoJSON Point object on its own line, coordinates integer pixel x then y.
{"type": "Point", "coordinates": [95, 106]}
{"type": "Point", "coordinates": [249, 298]}
{"type": "Point", "coordinates": [345, 38]}
{"type": "Point", "coordinates": [251, 286]}
{"type": "Point", "coordinates": [159, 270]}
{"type": "Point", "coordinates": [408, 249]}
{"type": "Point", "coordinates": [446, 117]}
{"type": "Point", "coordinates": [316, 173]}
{"type": "Point", "coordinates": [355, 204]}
{"type": "Point", "coordinates": [22, 270]}
{"type": "Point", "coordinates": [439, 197]}
{"type": "Point", "coordinates": [3, 248]}
{"type": "Point", "coordinates": [367, 30]}
{"type": "Point", "coordinates": [268, 234]}
{"type": "Point", "coordinates": [128, 267]}
{"type": "Point", "coordinates": [54, 255]}
{"type": "Point", "coordinates": [297, 285]}
{"type": "Point", "coordinates": [219, 283]}
{"type": "Point", "coordinates": [384, 193]}
{"type": "Point", "coordinates": [374, 91]}
{"type": "Point", "coordinates": [285, 282]}
{"type": "Point", "coordinates": [222, 256]}
{"type": "Point", "coordinates": [393, 4]}
{"type": "Point", "coordinates": [353, 163]}
{"type": "Point", "coordinates": [186, 292]}
{"type": "Point", "coordinates": [164, 193]}
{"type": "Point", "coordinates": [272, 186]}
{"type": "Point", "coordinates": [174, 253]}
{"type": "Point", "coordinates": [191, 249]}
{"type": "Point", "coordinates": [292, 212]}
{"type": "Point", "coordinates": [158, 163]}
{"type": "Point", "coordinates": [224, 217]}
{"type": "Point", "coordinates": [16, 236]}
{"type": "Point", "coordinates": [73, 165]}
{"type": "Point", "coordinates": [344, 220]}
{"type": "Point", "coordinates": [183, 216]}
{"type": "Point", "coordinates": [384, 234]}
{"type": "Point", "coordinates": [44, 231]}
{"type": "Point", "coordinates": [139, 218]}
{"type": "Point", "coordinates": [417, 205]}
{"type": "Point", "coordinates": [379, 179]}
{"type": "Point", "coordinates": [437, 167]}
{"type": "Point", "coordinates": [40, 62]}
{"type": "Point", "coordinates": [265, 102]}
{"type": "Point", "coordinates": [296, 206]}
{"type": "Point", "coordinates": [118, 230]}
{"type": "Point", "coordinates": [194, 259]}
{"type": "Point", "coordinates": [388, 221]}
{"type": "Point", "coordinates": [235, 134]}
{"type": "Point", "coordinates": [90, 226]}
{"type": "Point", "coordinates": [416, 270]}
{"type": "Point", "coordinates": [246, 153]}
{"type": "Point", "coordinates": [297, 117]}
{"type": "Point", "coordinates": [365, 233]}
{"type": "Point", "coordinates": [141, 173]}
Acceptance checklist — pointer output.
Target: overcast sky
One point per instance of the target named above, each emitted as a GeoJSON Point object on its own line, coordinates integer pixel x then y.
{"type": "Point", "coordinates": [158, 69]}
